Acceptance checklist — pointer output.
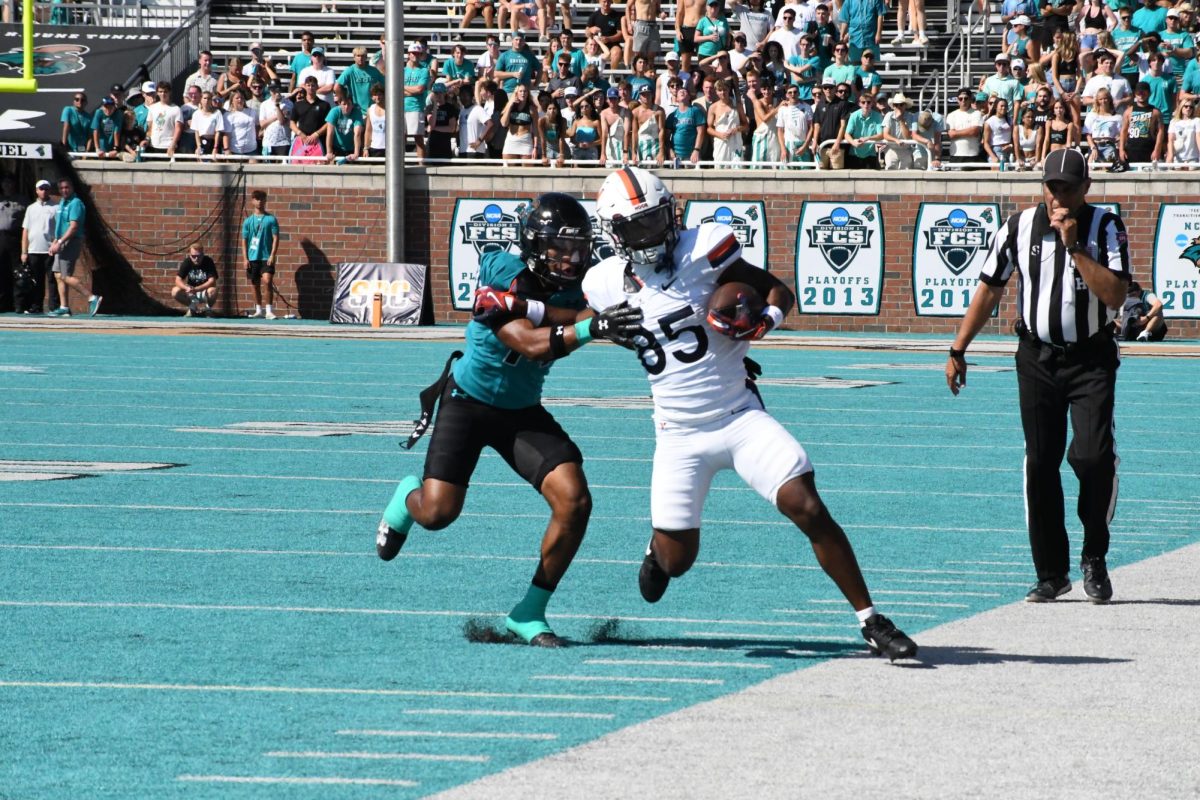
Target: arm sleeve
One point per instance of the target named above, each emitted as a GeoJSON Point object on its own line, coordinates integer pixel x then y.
{"type": "Point", "coordinates": [1114, 243]}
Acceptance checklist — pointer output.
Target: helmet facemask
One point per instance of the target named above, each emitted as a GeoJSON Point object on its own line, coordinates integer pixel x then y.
{"type": "Point", "coordinates": [646, 237]}
{"type": "Point", "coordinates": [561, 259]}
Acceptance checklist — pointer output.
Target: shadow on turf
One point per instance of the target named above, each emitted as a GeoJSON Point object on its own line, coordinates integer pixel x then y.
{"type": "Point", "coordinates": [932, 657]}
{"type": "Point", "coordinates": [615, 632]}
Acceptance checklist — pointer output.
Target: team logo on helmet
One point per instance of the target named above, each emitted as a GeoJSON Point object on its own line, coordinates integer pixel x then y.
{"type": "Point", "coordinates": [493, 229]}
{"type": "Point", "coordinates": [743, 231]}
{"type": "Point", "coordinates": [957, 238]}
{"type": "Point", "coordinates": [840, 236]}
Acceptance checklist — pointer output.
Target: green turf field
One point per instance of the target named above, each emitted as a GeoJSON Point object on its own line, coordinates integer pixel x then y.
{"type": "Point", "coordinates": [192, 606]}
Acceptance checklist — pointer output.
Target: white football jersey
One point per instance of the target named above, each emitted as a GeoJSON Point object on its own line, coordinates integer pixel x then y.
{"type": "Point", "coordinates": [696, 375]}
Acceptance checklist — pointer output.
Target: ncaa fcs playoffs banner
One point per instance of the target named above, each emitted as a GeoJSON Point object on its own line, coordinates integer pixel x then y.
{"type": "Point", "coordinates": [601, 247]}
{"type": "Point", "coordinates": [402, 287]}
{"type": "Point", "coordinates": [1177, 260]}
{"type": "Point", "coordinates": [839, 258]}
{"type": "Point", "coordinates": [951, 243]}
{"type": "Point", "coordinates": [479, 226]}
{"type": "Point", "coordinates": [748, 220]}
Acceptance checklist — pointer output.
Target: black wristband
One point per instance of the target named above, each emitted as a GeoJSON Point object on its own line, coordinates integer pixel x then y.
{"type": "Point", "coordinates": [957, 353]}
{"type": "Point", "coordinates": [558, 344]}
{"type": "Point", "coordinates": [1075, 248]}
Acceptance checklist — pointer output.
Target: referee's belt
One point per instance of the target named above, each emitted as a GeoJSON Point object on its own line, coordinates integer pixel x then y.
{"type": "Point", "coordinates": [1067, 349]}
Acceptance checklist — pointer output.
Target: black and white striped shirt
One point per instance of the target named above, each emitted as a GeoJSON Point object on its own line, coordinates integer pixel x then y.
{"type": "Point", "coordinates": [1053, 300]}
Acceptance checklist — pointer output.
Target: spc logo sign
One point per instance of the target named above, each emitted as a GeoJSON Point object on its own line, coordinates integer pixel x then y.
{"type": "Point", "coordinates": [839, 258]}
{"type": "Point", "coordinates": [478, 227]}
{"type": "Point", "coordinates": [951, 242]}
{"type": "Point", "coordinates": [1177, 260]}
{"type": "Point", "coordinates": [748, 220]}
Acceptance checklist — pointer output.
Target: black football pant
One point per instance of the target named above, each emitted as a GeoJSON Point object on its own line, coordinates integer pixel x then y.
{"type": "Point", "coordinates": [1053, 385]}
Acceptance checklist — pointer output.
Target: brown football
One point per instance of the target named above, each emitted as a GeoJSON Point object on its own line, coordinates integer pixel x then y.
{"type": "Point", "coordinates": [734, 308]}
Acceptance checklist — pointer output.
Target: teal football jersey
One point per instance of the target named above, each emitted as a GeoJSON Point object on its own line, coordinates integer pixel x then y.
{"type": "Point", "coordinates": [491, 372]}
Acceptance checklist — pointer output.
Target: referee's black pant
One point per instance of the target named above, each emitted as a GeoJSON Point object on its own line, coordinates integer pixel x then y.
{"type": "Point", "coordinates": [1052, 384]}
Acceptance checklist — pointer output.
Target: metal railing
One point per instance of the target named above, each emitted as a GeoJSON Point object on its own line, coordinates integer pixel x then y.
{"type": "Point", "coordinates": [110, 13]}
{"type": "Point", "coordinates": [177, 52]}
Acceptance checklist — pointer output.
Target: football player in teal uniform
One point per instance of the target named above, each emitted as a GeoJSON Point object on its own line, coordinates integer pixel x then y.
{"type": "Point", "coordinates": [529, 312]}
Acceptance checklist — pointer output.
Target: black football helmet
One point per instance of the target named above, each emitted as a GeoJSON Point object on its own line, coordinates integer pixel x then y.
{"type": "Point", "coordinates": [556, 239]}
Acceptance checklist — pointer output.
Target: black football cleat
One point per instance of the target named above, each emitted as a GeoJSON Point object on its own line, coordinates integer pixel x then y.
{"type": "Point", "coordinates": [1096, 584]}
{"type": "Point", "coordinates": [388, 541]}
{"type": "Point", "coordinates": [652, 580]}
{"type": "Point", "coordinates": [885, 639]}
{"type": "Point", "coordinates": [548, 639]}
{"type": "Point", "coordinates": [1049, 590]}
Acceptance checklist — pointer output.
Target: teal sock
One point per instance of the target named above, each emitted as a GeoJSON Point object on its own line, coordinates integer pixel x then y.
{"type": "Point", "coordinates": [396, 514]}
{"type": "Point", "coordinates": [528, 617]}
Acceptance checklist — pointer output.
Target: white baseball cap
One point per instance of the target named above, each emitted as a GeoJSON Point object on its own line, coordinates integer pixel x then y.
{"type": "Point", "coordinates": [149, 87]}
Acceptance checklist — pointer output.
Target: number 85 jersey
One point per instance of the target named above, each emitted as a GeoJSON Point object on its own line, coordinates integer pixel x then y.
{"type": "Point", "coordinates": [696, 376]}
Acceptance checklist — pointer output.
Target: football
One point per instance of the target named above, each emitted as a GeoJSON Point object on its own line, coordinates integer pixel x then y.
{"type": "Point", "coordinates": [734, 308]}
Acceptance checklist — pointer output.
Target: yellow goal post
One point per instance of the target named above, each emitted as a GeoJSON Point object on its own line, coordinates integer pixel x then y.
{"type": "Point", "coordinates": [26, 84]}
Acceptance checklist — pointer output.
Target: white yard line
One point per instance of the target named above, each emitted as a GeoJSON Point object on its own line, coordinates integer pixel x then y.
{"type": "Point", "coordinates": [321, 754]}
{"type": "Point", "coordinates": [634, 662]}
{"type": "Point", "coordinates": [414, 734]}
{"type": "Point", "coordinates": [266, 779]}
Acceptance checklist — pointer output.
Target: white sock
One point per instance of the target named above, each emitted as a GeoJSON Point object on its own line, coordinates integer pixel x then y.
{"type": "Point", "coordinates": [865, 615]}
{"type": "Point", "coordinates": [257, 308]}
{"type": "Point", "coordinates": [269, 309]}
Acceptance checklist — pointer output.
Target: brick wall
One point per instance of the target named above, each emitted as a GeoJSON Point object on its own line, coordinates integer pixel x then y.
{"type": "Point", "coordinates": [331, 215]}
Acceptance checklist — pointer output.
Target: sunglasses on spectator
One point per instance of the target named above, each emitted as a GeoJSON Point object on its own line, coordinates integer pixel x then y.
{"type": "Point", "coordinates": [839, 49]}
{"type": "Point", "coordinates": [841, 91]}
{"type": "Point", "coordinates": [80, 99]}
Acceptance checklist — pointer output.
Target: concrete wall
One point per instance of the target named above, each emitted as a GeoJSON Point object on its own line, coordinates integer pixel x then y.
{"type": "Point", "coordinates": [334, 214]}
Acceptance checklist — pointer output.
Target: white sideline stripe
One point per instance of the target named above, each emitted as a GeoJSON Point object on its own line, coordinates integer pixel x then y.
{"type": "Point", "coordinates": [633, 662]}
{"type": "Point", "coordinates": [893, 574]}
{"type": "Point", "coordinates": [403, 612]}
{"type": "Point", "coordinates": [532, 737]}
{"type": "Point", "coordinates": [193, 550]}
{"type": "Point", "coordinates": [377, 756]}
{"type": "Point", "coordinates": [295, 781]}
{"type": "Point", "coordinates": [904, 603]}
{"type": "Point", "coordinates": [479, 712]}
{"type": "Point", "coordinates": [924, 593]}
{"type": "Point", "coordinates": [184, 687]}
{"type": "Point", "coordinates": [752, 635]}
{"type": "Point", "coordinates": [627, 679]}
{"type": "Point", "coordinates": [901, 615]}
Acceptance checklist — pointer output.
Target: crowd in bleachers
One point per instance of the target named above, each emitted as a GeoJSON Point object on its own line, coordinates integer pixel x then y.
{"type": "Point", "coordinates": [1118, 79]}
{"type": "Point", "coordinates": [793, 84]}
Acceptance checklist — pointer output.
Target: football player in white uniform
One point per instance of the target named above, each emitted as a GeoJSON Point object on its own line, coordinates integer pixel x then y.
{"type": "Point", "coordinates": [707, 411]}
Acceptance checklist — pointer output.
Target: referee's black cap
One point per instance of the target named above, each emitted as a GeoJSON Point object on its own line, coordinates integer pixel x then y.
{"type": "Point", "coordinates": [1067, 166]}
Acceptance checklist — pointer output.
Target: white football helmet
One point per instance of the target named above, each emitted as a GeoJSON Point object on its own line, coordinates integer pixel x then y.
{"type": "Point", "coordinates": [637, 213]}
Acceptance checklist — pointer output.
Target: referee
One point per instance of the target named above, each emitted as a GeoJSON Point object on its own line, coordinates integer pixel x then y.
{"type": "Point", "coordinates": [1073, 262]}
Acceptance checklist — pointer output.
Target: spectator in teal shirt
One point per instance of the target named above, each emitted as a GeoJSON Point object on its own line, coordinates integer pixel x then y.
{"type": "Point", "coordinates": [869, 79]}
{"type": "Point", "coordinates": [458, 70]}
{"type": "Point", "coordinates": [863, 129]}
{"type": "Point", "coordinates": [66, 249]}
{"type": "Point", "coordinates": [417, 81]}
{"type": "Point", "coordinates": [359, 77]}
{"type": "Point", "coordinates": [76, 124]}
{"type": "Point", "coordinates": [712, 31]}
{"type": "Point", "coordinates": [806, 69]}
{"type": "Point", "coordinates": [516, 65]}
{"type": "Point", "coordinates": [344, 131]}
{"type": "Point", "coordinates": [1162, 87]}
{"type": "Point", "coordinates": [106, 129]}
{"type": "Point", "coordinates": [862, 25]}
{"type": "Point", "coordinates": [1150, 18]}
{"type": "Point", "coordinates": [301, 60]}
{"type": "Point", "coordinates": [686, 127]}
{"type": "Point", "coordinates": [841, 70]}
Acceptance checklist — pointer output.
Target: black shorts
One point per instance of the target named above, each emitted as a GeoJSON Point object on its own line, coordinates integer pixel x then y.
{"type": "Point", "coordinates": [1139, 151]}
{"type": "Point", "coordinates": [529, 439]}
{"type": "Point", "coordinates": [687, 40]}
{"type": "Point", "coordinates": [259, 268]}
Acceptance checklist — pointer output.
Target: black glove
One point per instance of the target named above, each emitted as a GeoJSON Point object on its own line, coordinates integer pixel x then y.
{"type": "Point", "coordinates": [619, 324]}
